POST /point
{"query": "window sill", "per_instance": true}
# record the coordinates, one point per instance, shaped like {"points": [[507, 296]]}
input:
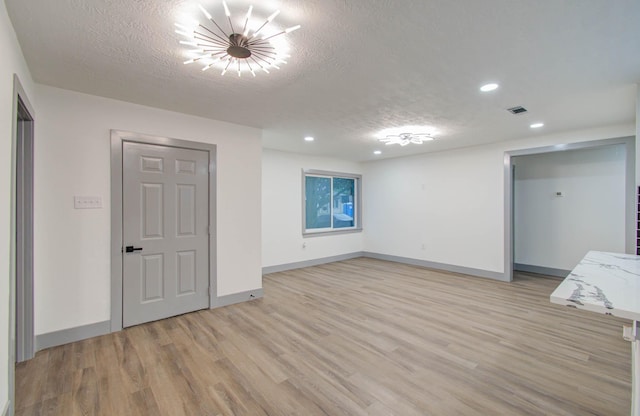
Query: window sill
{"points": [[332, 232]]}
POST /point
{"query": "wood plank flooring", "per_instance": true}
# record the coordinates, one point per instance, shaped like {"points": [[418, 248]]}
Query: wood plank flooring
{"points": [[358, 337]]}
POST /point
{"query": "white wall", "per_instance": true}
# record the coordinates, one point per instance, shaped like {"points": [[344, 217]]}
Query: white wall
{"points": [[557, 232], [282, 210], [452, 202], [72, 258], [12, 63]]}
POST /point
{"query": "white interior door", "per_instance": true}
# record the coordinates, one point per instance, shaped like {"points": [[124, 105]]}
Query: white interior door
{"points": [[165, 231]]}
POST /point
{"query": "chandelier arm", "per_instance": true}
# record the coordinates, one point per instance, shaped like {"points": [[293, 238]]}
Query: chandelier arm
{"points": [[246, 22], [261, 45], [227, 67], [208, 38], [273, 36], [271, 51], [267, 54], [201, 57], [245, 26], [267, 58], [207, 45], [258, 63], [264, 52], [220, 58], [231, 24], [217, 39], [212, 54], [259, 29], [258, 42], [224, 38], [210, 44], [262, 59], [219, 28]]}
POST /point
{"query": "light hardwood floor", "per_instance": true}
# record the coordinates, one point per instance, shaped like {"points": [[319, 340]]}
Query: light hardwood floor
{"points": [[359, 337]]}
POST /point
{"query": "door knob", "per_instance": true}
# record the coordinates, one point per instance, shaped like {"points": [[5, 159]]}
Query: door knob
{"points": [[131, 249]]}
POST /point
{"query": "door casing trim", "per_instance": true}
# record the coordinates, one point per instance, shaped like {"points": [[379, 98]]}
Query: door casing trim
{"points": [[118, 137], [19, 96]]}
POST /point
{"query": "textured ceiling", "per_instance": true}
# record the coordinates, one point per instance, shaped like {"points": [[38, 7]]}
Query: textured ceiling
{"points": [[358, 66]]}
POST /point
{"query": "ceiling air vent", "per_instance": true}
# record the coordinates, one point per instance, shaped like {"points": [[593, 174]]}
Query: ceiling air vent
{"points": [[517, 110]]}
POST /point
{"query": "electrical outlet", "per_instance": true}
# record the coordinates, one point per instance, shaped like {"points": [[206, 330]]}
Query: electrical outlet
{"points": [[87, 202]]}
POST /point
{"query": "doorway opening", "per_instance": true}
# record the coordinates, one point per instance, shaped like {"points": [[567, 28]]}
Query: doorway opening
{"points": [[628, 143]]}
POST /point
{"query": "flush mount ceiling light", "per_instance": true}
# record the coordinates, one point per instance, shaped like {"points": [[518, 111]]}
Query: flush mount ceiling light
{"points": [[240, 48], [404, 139], [536, 125]]}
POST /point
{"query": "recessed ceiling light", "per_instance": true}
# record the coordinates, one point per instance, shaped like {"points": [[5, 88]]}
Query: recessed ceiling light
{"points": [[536, 125], [488, 87], [309, 139], [377, 152]]}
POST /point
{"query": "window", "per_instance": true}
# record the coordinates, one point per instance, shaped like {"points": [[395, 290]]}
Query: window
{"points": [[331, 202]]}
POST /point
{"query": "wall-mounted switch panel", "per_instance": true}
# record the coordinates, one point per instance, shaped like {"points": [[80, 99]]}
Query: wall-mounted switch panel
{"points": [[87, 202]]}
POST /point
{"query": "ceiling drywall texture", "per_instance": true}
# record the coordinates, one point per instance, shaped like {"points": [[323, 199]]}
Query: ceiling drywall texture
{"points": [[358, 66]]}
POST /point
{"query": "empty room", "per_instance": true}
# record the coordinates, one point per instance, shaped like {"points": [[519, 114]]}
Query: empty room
{"points": [[320, 207]]}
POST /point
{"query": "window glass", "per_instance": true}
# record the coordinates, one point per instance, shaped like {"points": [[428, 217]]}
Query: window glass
{"points": [[343, 202], [318, 202]]}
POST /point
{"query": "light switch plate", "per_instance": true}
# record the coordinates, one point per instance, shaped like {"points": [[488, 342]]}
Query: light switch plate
{"points": [[87, 202]]}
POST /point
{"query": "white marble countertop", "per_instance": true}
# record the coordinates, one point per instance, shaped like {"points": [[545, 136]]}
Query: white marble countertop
{"points": [[602, 282]]}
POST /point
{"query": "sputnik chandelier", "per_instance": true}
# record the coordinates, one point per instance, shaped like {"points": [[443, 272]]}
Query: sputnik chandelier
{"points": [[238, 49], [404, 139]]}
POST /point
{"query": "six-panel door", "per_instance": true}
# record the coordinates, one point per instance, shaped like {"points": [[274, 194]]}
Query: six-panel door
{"points": [[165, 223]]}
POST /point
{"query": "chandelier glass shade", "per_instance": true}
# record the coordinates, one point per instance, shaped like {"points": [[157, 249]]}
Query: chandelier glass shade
{"points": [[244, 47], [404, 139]]}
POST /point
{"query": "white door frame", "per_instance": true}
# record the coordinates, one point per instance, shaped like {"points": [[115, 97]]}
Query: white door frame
{"points": [[117, 139], [630, 192]]}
